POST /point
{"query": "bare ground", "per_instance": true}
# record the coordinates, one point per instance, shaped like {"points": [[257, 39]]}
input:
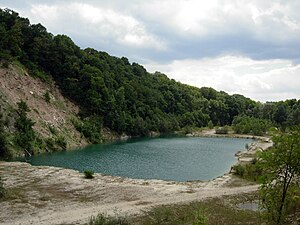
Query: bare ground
{"points": [[16, 85], [50, 195]]}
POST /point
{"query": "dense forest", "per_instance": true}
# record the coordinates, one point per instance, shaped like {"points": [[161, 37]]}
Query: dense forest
{"points": [[122, 96]]}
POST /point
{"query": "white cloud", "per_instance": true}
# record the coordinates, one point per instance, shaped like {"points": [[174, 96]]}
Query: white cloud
{"points": [[278, 20], [190, 35], [266, 80], [96, 22]]}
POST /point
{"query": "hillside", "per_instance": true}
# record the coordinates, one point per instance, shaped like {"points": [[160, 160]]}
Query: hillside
{"points": [[110, 93], [52, 118]]}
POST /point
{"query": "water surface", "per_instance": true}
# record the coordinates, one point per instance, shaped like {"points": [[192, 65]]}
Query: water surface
{"points": [[168, 158]]}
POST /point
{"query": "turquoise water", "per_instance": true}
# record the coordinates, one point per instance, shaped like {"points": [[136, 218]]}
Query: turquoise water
{"points": [[168, 158]]}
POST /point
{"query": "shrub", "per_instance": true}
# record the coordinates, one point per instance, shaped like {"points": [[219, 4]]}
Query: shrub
{"points": [[239, 170], [61, 142], [250, 125], [25, 135], [47, 97], [194, 214], [210, 125], [57, 143], [2, 189], [90, 128], [250, 171], [200, 217], [222, 130], [5, 64], [102, 219], [88, 174]]}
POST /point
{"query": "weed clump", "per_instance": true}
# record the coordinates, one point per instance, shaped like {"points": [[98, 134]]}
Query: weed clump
{"points": [[88, 174], [102, 219]]}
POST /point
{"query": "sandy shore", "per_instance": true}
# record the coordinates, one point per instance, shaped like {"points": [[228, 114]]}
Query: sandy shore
{"points": [[50, 195]]}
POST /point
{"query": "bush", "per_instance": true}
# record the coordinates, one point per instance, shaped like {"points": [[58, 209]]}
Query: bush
{"points": [[90, 128], [61, 142], [239, 170], [5, 64], [210, 125], [250, 171], [88, 174], [222, 130], [25, 135], [2, 189], [47, 97], [102, 219], [250, 125]]}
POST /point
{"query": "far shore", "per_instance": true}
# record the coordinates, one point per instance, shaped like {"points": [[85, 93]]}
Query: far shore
{"points": [[51, 195]]}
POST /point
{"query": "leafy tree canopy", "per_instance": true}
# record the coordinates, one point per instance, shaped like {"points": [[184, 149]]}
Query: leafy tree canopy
{"points": [[123, 95]]}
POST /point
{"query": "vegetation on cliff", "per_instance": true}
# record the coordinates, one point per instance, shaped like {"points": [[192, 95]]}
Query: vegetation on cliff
{"points": [[122, 96]]}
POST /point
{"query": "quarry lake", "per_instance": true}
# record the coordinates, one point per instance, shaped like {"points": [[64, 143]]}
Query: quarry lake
{"points": [[165, 158]]}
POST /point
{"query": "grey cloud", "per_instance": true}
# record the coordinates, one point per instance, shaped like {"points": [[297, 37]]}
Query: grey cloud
{"points": [[257, 30], [235, 37]]}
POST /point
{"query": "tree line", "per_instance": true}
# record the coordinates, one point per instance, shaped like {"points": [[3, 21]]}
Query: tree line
{"points": [[123, 96]]}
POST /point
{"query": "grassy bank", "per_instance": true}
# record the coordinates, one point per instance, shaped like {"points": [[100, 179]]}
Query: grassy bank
{"points": [[223, 210]]}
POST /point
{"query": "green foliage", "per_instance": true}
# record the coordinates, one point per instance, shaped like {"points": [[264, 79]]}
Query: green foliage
{"points": [[88, 174], [239, 170], [61, 142], [55, 143], [222, 130], [210, 125], [188, 214], [125, 96], [250, 125], [2, 189], [5, 63], [25, 135], [102, 219], [281, 169], [90, 127], [200, 218], [47, 96], [211, 211], [250, 171], [4, 149]]}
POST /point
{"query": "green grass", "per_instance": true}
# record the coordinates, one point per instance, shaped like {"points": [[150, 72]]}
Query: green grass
{"points": [[103, 219], [249, 171], [212, 211]]}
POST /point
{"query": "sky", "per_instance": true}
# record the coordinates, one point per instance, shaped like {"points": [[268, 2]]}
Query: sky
{"points": [[248, 47]]}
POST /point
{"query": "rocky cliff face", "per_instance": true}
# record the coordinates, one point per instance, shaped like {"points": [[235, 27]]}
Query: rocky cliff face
{"points": [[49, 110]]}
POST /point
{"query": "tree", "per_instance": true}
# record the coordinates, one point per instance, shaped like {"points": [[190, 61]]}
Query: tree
{"points": [[281, 169], [4, 152], [280, 114], [25, 135]]}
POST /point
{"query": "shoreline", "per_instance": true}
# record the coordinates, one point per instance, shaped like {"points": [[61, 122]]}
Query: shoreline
{"points": [[52, 195]]}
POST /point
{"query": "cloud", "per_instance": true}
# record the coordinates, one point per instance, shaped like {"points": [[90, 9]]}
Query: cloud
{"points": [[223, 17], [259, 29], [262, 80], [167, 30], [96, 23], [250, 47]]}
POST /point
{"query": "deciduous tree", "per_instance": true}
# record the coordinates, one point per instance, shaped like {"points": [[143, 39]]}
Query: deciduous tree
{"points": [[281, 166]]}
